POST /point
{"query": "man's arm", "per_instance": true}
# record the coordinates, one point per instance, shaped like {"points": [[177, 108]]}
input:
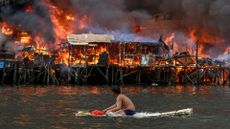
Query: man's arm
{"points": [[109, 108], [118, 105]]}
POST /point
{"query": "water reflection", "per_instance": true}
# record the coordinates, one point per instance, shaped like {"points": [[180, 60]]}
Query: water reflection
{"points": [[132, 90], [63, 90], [23, 120], [95, 90]]}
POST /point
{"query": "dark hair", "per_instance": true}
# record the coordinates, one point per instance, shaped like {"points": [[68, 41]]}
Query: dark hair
{"points": [[116, 89]]}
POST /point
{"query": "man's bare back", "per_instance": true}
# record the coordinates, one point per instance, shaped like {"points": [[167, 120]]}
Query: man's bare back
{"points": [[126, 103], [123, 106]]}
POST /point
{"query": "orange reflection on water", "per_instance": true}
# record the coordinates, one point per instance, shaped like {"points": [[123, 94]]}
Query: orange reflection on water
{"points": [[192, 90], [135, 90], [26, 90], [179, 89], [23, 120], [37, 91], [57, 127], [41, 91], [64, 90], [95, 90]]}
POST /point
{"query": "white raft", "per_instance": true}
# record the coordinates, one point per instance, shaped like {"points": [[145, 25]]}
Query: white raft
{"points": [[178, 113]]}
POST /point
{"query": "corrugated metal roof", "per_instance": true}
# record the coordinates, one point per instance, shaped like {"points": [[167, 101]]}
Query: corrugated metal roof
{"points": [[85, 39]]}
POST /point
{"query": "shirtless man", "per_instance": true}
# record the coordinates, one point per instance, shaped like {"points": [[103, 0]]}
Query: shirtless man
{"points": [[123, 106]]}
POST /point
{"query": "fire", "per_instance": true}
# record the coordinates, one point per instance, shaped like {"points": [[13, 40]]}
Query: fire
{"points": [[227, 51], [70, 17], [205, 38], [25, 38], [84, 22], [63, 57], [29, 9], [29, 55], [137, 28], [170, 38], [59, 24], [66, 21], [6, 29]]}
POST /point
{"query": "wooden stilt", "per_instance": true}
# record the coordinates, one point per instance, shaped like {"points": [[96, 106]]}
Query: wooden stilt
{"points": [[15, 73]]}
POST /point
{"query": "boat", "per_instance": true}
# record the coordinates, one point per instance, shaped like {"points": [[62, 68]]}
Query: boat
{"points": [[188, 112]]}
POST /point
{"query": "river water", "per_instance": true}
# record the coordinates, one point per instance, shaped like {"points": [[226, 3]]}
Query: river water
{"points": [[53, 107]]}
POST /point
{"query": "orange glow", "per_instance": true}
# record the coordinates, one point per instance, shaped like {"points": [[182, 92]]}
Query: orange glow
{"points": [[227, 51], [25, 38], [84, 22], [205, 38], [29, 55], [29, 9], [137, 28], [66, 21], [95, 90], [70, 17], [170, 38], [6, 29]]}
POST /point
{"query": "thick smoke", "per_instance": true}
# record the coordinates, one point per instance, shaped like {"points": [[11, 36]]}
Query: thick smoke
{"points": [[35, 23], [209, 16], [7, 45], [225, 57], [106, 14]]}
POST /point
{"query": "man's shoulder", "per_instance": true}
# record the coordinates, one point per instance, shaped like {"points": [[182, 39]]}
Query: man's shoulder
{"points": [[121, 96]]}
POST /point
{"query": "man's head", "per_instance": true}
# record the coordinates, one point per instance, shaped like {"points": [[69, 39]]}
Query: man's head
{"points": [[116, 90]]}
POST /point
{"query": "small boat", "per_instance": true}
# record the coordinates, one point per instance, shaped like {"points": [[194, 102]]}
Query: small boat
{"points": [[188, 112]]}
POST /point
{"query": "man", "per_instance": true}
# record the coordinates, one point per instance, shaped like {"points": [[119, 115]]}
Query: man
{"points": [[123, 106]]}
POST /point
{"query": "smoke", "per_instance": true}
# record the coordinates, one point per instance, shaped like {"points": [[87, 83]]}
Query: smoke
{"points": [[108, 14], [35, 23], [210, 18], [131, 37], [224, 58]]}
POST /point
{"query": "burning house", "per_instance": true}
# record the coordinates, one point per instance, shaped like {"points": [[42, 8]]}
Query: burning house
{"points": [[94, 48]]}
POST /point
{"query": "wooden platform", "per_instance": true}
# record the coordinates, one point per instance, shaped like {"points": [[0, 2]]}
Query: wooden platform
{"points": [[18, 74]]}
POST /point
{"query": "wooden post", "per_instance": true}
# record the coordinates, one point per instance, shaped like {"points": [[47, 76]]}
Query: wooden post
{"points": [[48, 75], [45, 74], [121, 76], [15, 73], [107, 74], [197, 66], [69, 52], [112, 75], [24, 75], [138, 75], [228, 76], [86, 66], [3, 76]]}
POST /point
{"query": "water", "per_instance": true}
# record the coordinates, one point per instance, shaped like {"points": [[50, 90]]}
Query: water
{"points": [[53, 107]]}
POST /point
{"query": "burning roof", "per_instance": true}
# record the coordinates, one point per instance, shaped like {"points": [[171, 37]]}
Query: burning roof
{"points": [[82, 39]]}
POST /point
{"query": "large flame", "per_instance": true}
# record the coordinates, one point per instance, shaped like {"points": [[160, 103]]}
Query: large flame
{"points": [[67, 21], [63, 22], [6, 29]]}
